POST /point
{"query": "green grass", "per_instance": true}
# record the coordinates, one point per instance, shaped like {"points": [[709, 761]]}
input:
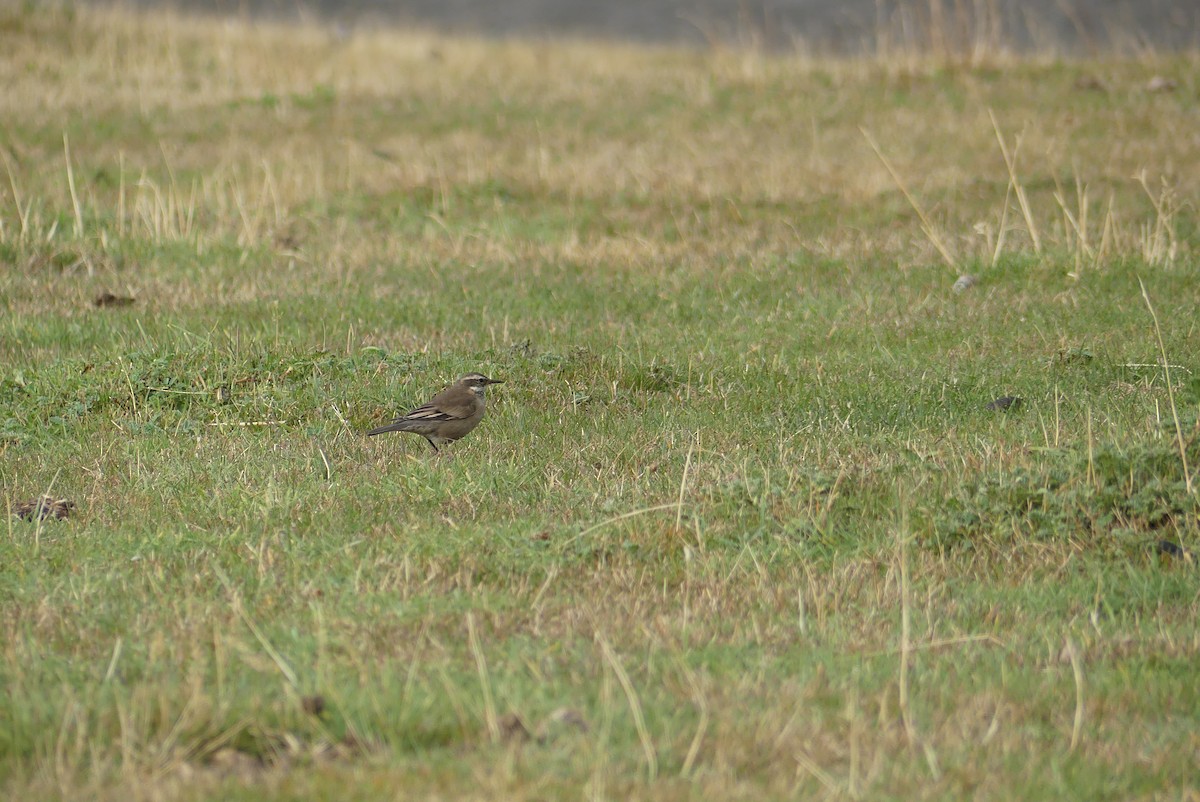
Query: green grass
{"points": [[739, 505]]}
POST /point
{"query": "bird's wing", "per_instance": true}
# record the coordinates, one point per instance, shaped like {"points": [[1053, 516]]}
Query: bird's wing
{"points": [[444, 408], [426, 412]]}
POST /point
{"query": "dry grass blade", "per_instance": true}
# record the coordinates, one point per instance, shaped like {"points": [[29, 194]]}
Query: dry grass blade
{"points": [[687, 465], [1010, 162], [617, 518], [926, 224], [1077, 675], [41, 518], [942, 644], [325, 463], [1166, 366], [635, 706], [485, 683], [910, 728], [112, 663], [235, 600], [1076, 223], [22, 211], [75, 205], [1160, 244], [698, 697], [823, 777]]}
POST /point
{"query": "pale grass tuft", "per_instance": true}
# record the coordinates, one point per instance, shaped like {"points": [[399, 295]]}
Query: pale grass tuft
{"points": [[1166, 366], [1015, 187], [927, 226]]}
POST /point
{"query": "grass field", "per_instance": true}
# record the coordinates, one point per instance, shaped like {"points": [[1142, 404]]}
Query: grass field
{"points": [[738, 526]]}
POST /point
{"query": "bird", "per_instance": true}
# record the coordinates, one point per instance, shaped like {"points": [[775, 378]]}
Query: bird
{"points": [[447, 416]]}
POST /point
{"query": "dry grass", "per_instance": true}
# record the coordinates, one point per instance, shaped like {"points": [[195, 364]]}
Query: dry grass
{"points": [[739, 508]]}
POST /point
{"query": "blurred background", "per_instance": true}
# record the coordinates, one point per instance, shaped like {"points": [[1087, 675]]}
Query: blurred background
{"points": [[818, 26]]}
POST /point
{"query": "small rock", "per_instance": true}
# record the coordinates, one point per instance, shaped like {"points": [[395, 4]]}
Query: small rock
{"points": [[230, 762], [1160, 84], [44, 507], [1005, 403], [965, 282], [512, 728]]}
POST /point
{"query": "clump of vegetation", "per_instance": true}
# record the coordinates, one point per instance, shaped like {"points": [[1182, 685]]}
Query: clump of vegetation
{"points": [[1110, 499]]}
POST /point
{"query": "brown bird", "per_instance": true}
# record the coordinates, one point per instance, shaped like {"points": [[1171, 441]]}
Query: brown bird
{"points": [[44, 507], [449, 415]]}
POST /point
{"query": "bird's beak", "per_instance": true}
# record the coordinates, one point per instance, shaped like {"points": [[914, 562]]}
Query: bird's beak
{"points": [[495, 381]]}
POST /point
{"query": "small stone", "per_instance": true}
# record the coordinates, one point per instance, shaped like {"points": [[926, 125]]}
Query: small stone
{"points": [[230, 762], [965, 282], [512, 728], [1005, 403], [1160, 84]]}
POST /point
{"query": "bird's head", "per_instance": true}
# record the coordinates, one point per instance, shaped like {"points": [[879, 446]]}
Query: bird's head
{"points": [[476, 382]]}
